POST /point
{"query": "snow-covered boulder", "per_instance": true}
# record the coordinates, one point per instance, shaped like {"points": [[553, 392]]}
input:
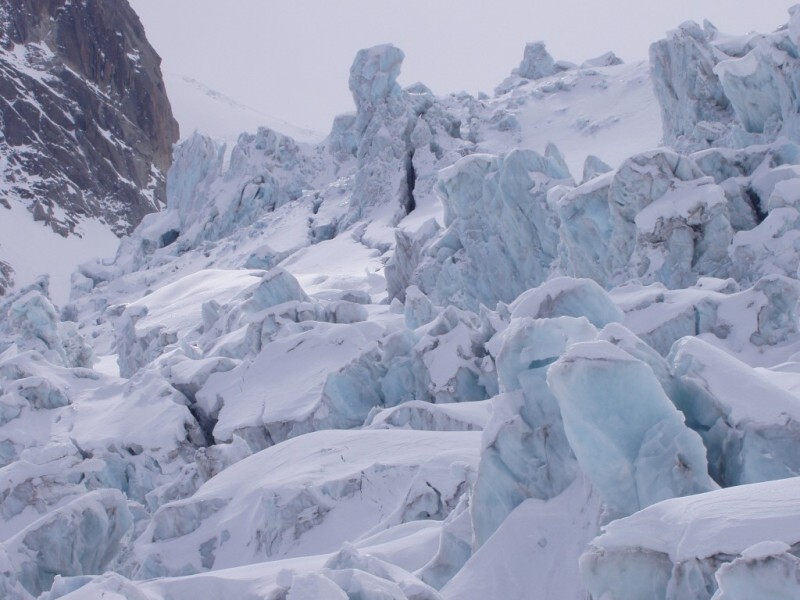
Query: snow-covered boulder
{"points": [[760, 316], [212, 460], [208, 199], [276, 287], [407, 255], [608, 59], [568, 297], [35, 320], [771, 248], [170, 315], [755, 179], [536, 62], [196, 164], [308, 379], [442, 361], [40, 481], [683, 234], [765, 570], [762, 86]]}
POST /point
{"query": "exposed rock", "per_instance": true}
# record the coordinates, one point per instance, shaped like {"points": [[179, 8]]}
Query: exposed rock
{"points": [[87, 129], [6, 277]]}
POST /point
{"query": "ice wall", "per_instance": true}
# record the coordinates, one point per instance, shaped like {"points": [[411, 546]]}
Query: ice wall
{"points": [[718, 90], [500, 234], [627, 436]]}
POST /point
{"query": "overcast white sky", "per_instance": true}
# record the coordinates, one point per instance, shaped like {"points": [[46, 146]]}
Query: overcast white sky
{"points": [[291, 58]]}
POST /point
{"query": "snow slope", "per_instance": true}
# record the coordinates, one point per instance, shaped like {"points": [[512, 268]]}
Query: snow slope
{"points": [[199, 108], [34, 249]]}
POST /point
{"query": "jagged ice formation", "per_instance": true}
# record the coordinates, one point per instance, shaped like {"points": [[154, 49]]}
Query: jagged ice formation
{"points": [[427, 358]]}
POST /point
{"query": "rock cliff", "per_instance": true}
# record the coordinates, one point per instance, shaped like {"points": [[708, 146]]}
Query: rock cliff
{"points": [[86, 129]]}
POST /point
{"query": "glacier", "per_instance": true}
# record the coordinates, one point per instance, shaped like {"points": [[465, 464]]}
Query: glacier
{"points": [[541, 342]]}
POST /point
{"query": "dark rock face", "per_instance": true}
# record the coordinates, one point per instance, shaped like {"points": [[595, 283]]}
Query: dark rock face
{"points": [[85, 125], [6, 277]]}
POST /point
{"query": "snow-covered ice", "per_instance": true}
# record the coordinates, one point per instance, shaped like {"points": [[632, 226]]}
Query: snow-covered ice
{"points": [[462, 347], [673, 549]]}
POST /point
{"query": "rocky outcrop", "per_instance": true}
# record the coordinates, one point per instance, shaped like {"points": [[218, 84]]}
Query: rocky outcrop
{"points": [[86, 129], [6, 277]]}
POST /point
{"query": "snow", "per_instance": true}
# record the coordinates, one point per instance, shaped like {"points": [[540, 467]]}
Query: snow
{"points": [[734, 384], [526, 452], [298, 368], [686, 547], [176, 306], [562, 296], [608, 112], [534, 548], [416, 414], [34, 249], [338, 264], [91, 527], [765, 549], [774, 576], [748, 422], [727, 521], [199, 108], [419, 359], [328, 481]]}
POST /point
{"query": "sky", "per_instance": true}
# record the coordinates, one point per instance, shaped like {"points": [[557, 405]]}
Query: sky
{"points": [[290, 59]]}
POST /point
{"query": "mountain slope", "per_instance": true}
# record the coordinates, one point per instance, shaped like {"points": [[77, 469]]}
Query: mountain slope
{"points": [[197, 107]]}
